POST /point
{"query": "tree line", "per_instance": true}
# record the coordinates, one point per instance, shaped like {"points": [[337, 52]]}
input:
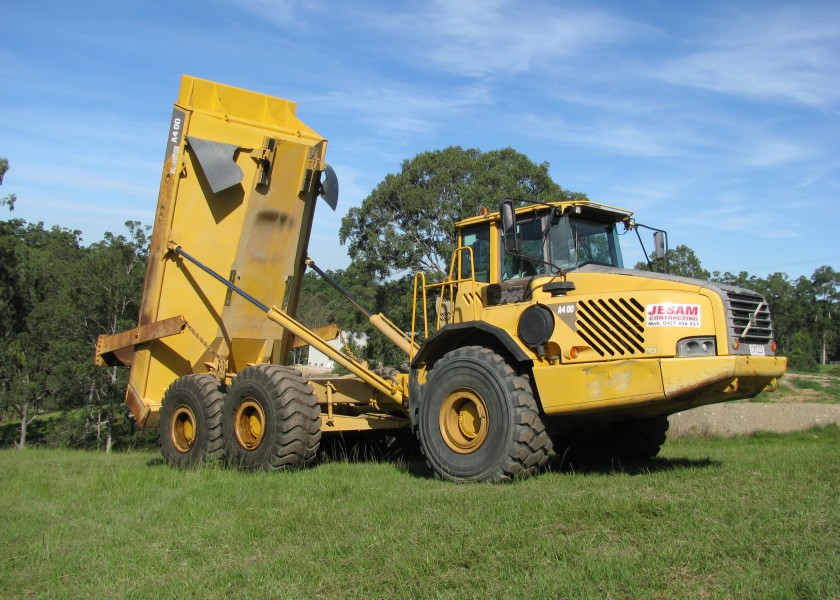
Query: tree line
{"points": [[57, 294]]}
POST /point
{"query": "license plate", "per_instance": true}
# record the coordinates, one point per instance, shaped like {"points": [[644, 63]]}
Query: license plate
{"points": [[756, 350]]}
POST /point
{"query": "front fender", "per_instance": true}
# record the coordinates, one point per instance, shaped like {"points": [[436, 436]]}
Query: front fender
{"points": [[471, 333]]}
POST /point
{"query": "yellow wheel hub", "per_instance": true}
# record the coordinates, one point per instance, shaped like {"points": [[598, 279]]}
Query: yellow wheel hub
{"points": [[183, 428], [463, 420], [249, 424]]}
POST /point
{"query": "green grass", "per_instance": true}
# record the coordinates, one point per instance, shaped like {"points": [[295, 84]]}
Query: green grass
{"points": [[833, 370], [806, 384], [752, 517]]}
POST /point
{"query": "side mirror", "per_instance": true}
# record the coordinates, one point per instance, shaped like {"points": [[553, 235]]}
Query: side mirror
{"points": [[509, 226], [659, 244]]}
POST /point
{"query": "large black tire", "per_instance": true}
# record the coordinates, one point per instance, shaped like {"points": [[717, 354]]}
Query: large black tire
{"points": [[271, 420], [639, 439], [477, 419], [191, 422], [631, 440]]}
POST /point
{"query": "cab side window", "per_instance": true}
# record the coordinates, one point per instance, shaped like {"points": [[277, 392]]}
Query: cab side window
{"points": [[476, 237], [530, 261]]}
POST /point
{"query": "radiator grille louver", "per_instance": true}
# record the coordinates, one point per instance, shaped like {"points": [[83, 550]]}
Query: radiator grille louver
{"points": [[613, 326], [749, 313]]}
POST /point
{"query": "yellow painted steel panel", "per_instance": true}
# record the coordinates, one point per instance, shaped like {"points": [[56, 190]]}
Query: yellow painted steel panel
{"points": [[654, 386], [719, 378], [255, 231], [597, 386]]}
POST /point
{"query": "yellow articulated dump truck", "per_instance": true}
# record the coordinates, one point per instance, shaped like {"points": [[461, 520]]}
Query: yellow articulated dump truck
{"points": [[537, 340]]}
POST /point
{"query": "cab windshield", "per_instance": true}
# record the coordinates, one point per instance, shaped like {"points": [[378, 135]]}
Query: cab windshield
{"points": [[564, 245], [582, 243]]}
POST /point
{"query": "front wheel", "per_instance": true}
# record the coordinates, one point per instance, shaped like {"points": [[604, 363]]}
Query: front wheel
{"points": [[478, 420]]}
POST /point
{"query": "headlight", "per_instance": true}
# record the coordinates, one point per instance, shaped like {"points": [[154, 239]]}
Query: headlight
{"points": [[699, 346]]}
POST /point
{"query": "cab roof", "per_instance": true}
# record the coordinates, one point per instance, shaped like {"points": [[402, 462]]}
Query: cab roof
{"points": [[587, 209]]}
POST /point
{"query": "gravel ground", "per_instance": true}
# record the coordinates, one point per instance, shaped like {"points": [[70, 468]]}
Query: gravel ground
{"points": [[744, 418]]}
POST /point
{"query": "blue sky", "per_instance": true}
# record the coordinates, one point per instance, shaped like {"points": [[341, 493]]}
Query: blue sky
{"points": [[717, 121]]}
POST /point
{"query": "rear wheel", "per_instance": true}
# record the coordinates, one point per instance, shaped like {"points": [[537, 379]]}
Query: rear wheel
{"points": [[632, 440], [271, 420], [478, 420], [639, 439], [191, 422]]}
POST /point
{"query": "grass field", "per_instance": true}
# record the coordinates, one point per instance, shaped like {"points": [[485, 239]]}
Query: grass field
{"points": [[754, 517], [805, 387]]}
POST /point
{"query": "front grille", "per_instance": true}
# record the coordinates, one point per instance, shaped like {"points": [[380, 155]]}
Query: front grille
{"points": [[748, 318], [613, 326]]}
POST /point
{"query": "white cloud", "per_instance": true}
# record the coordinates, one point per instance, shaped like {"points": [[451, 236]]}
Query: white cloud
{"points": [[502, 38], [392, 112], [280, 12], [790, 54], [746, 221], [632, 138], [770, 151], [645, 196]]}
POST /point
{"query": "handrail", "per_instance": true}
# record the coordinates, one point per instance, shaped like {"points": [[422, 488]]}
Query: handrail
{"points": [[449, 282], [418, 275]]}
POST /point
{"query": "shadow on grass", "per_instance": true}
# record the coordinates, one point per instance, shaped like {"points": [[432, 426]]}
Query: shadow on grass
{"points": [[403, 453], [364, 447], [559, 464]]}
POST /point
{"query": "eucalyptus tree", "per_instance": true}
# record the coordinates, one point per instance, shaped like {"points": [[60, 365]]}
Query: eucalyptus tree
{"points": [[407, 223]]}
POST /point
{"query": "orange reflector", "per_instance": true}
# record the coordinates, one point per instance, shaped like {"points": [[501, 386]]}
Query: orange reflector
{"points": [[484, 211], [573, 352], [773, 346], [735, 344]]}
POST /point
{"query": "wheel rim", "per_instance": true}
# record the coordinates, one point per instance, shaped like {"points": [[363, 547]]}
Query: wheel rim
{"points": [[183, 428], [463, 420], [249, 424]]}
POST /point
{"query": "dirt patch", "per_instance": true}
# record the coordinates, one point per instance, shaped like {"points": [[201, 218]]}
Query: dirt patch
{"points": [[745, 418], [799, 387]]}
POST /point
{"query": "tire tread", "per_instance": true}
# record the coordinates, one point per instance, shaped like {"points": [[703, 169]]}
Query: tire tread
{"points": [[529, 445]]}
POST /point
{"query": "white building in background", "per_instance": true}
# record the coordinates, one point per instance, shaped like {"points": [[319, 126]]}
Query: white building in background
{"points": [[318, 359]]}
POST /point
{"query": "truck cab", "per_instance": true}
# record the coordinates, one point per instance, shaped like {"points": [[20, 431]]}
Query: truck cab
{"points": [[600, 341]]}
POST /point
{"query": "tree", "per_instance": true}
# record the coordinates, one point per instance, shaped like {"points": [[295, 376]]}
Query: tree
{"points": [[111, 284], [801, 352], [408, 221], [36, 354], [56, 297], [14, 305], [11, 198], [320, 305], [681, 261], [826, 287]]}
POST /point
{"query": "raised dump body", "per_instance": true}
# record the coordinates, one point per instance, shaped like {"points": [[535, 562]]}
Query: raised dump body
{"points": [[240, 180]]}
